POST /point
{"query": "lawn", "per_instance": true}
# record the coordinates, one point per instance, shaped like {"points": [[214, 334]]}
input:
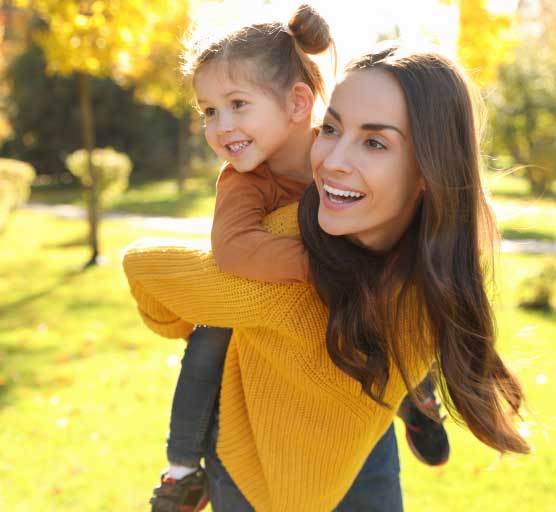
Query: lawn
{"points": [[159, 198], [85, 388], [520, 215]]}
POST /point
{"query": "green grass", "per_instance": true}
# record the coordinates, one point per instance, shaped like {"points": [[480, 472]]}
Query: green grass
{"points": [[476, 478], [160, 198], [85, 388], [521, 215]]}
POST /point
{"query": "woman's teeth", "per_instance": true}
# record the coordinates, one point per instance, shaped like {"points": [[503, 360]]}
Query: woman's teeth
{"points": [[235, 147], [337, 195]]}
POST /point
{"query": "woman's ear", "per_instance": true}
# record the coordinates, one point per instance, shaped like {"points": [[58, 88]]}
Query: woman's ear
{"points": [[301, 102]]}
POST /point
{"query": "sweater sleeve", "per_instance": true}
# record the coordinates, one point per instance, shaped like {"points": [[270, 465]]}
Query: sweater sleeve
{"points": [[176, 287], [240, 243]]}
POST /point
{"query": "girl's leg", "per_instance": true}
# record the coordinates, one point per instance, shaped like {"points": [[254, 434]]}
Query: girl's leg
{"points": [[196, 393], [223, 492], [377, 486]]}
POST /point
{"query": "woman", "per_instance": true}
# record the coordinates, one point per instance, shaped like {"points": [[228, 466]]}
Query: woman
{"points": [[313, 376]]}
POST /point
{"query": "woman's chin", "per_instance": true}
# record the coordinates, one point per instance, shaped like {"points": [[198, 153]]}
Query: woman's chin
{"points": [[331, 228]]}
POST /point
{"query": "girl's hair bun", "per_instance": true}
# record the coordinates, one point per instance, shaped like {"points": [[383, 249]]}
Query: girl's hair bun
{"points": [[310, 30]]}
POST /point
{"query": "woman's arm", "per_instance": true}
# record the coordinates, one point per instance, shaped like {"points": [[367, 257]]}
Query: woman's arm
{"points": [[176, 286], [240, 243]]}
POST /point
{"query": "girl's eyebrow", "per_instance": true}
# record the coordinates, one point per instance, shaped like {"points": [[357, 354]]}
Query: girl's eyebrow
{"points": [[235, 91], [228, 94], [377, 127]]}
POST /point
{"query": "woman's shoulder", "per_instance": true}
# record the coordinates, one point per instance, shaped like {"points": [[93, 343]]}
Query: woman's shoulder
{"points": [[283, 221]]}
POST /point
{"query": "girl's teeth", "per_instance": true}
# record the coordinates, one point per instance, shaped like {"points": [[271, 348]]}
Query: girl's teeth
{"points": [[343, 193], [237, 146]]}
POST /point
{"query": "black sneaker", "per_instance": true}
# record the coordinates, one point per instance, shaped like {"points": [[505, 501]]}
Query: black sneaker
{"points": [[188, 494], [426, 437]]}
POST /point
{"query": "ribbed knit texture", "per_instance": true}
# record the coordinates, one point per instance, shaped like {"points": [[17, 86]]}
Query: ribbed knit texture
{"points": [[294, 429]]}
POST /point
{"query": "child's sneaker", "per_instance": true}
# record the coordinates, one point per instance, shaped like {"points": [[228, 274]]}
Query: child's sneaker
{"points": [[188, 494], [427, 438]]}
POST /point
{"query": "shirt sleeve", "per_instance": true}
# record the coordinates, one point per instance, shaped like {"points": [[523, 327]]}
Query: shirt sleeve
{"points": [[241, 245], [176, 287]]}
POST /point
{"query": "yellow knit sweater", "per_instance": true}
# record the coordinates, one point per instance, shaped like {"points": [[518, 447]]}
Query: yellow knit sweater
{"points": [[294, 429]]}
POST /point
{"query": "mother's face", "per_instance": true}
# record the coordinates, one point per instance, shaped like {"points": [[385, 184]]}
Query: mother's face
{"points": [[363, 161]]}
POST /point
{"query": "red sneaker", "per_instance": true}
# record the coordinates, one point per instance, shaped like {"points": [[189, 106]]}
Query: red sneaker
{"points": [[188, 494]]}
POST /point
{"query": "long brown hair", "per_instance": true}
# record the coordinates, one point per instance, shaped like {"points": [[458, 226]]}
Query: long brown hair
{"points": [[432, 283], [279, 52]]}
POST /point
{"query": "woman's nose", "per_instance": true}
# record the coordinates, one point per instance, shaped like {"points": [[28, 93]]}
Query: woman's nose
{"points": [[338, 159]]}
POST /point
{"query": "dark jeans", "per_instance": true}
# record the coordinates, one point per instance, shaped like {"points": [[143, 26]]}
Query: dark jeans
{"points": [[196, 394], [375, 489]]}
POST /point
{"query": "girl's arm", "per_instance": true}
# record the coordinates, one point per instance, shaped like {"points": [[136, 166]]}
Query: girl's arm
{"points": [[240, 243], [176, 287]]}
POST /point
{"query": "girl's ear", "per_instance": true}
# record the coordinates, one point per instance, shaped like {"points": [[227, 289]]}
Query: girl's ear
{"points": [[301, 102]]}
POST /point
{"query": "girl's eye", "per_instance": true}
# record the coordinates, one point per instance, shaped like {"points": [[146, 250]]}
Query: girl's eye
{"points": [[238, 104], [327, 129], [375, 144]]}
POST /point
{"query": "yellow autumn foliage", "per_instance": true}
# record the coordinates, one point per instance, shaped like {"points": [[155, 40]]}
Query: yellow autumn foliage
{"points": [[485, 40], [134, 42]]}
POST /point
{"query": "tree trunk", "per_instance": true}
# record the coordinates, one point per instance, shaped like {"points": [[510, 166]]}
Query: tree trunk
{"points": [[88, 133], [183, 150]]}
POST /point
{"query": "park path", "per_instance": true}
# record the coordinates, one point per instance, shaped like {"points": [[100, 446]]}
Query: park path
{"points": [[202, 225]]}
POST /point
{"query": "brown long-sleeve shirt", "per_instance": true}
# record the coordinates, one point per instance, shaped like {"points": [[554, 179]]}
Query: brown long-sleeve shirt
{"points": [[240, 244]]}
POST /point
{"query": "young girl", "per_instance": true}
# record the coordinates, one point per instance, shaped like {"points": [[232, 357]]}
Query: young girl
{"points": [[256, 90]]}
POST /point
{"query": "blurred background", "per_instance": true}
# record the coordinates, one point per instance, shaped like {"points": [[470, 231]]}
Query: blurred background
{"points": [[100, 144]]}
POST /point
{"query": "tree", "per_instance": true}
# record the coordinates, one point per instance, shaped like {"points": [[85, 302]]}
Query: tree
{"points": [[158, 80], [523, 103], [44, 117], [485, 40], [100, 38]]}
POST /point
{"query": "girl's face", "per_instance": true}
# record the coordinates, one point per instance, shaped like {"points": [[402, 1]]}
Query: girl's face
{"points": [[243, 124], [363, 161]]}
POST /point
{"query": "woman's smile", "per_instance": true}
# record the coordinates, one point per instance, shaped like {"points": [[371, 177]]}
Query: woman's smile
{"points": [[337, 196]]}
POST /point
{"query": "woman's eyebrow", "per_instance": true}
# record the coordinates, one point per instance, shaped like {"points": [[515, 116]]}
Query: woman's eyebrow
{"points": [[334, 114], [377, 127]]}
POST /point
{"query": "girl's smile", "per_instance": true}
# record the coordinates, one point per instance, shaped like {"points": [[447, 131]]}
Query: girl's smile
{"points": [[237, 148]]}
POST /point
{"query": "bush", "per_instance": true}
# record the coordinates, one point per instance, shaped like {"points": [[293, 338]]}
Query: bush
{"points": [[539, 291], [15, 186], [111, 167]]}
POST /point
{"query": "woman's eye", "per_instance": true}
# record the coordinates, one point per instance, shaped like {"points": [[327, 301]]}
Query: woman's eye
{"points": [[375, 144], [209, 112], [238, 104], [327, 129]]}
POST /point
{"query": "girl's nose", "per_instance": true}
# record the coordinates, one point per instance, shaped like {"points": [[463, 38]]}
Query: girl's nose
{"points": [[225, 123]]}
